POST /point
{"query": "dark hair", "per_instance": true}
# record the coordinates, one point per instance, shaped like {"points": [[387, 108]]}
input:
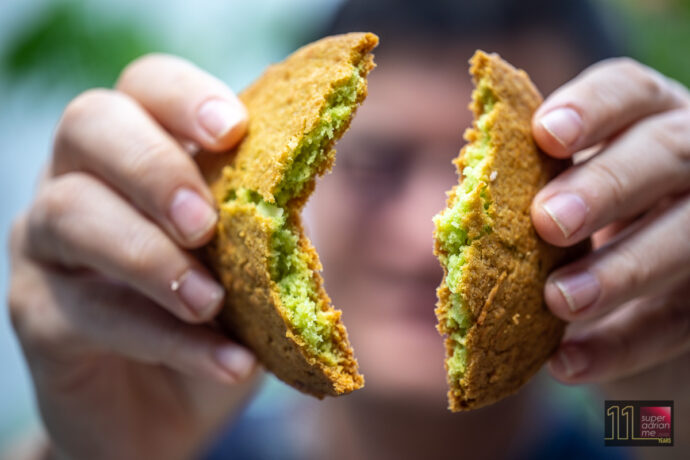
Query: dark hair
{"points": [[577, 21]]}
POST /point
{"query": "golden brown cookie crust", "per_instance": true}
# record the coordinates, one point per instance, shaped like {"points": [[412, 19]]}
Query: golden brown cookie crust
{"points": [[513, 332], [284, 104]]}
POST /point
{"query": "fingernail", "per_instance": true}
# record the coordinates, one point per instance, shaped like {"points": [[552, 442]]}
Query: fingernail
{"points": [[564, 124], [567, 210], [199, 292], [218, 117], [578, 289], [570, 361], [236, 360], [191, 214]]}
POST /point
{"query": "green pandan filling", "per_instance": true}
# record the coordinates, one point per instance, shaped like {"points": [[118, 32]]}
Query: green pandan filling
{"points": [[289, 269], [306, 162], [288, 264], [453, 235]]}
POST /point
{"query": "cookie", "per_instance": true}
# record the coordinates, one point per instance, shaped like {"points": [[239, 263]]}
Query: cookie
{"points": [[275, 303], [490, 306]]}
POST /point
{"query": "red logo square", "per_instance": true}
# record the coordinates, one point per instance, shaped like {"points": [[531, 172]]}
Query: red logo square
{"points": [[655, 422]]}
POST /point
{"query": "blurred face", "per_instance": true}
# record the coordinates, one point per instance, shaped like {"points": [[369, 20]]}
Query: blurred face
{"points": [[372, 215], [373, 225]]}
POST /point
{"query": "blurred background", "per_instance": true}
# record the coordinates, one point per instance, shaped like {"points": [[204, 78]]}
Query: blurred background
{"points": [[52, 50]]}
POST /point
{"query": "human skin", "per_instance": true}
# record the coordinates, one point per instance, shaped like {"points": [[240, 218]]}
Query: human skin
{"points": [[110, 308], [632, 197], [109, 343]]}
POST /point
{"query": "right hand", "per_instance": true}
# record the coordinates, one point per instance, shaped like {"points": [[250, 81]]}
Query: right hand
{"points": [[111, 310]]}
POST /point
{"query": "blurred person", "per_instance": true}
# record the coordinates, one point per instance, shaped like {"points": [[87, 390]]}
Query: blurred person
{"points": [[123, 367]]}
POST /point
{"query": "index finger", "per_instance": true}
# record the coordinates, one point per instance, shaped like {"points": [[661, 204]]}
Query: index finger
{"points": [[186, 100], [600, 102]]}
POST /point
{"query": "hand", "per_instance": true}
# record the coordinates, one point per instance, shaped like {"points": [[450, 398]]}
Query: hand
{"points": [[628, 301], [111, 310]]}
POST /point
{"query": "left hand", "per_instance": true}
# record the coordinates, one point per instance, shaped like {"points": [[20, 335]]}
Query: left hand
{"points": [[112, 309], [628, 301]]}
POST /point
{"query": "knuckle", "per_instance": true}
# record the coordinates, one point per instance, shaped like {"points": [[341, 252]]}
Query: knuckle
{"points": [[672, 132], [31, 316], [140, 252], [53, 207], [648, 80], [57, 199], [162, 169], [630, 269], [146, 163], [85, 103], [627, 65], [43, 337], [16, 234], [610, 179], [78, 111], [46, 214]]}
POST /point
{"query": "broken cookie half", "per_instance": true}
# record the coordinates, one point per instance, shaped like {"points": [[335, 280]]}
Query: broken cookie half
{"points": [[490, 306], [275, 303]]}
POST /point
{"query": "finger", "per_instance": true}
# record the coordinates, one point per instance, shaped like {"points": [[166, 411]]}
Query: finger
{"points": [[601, 101], [79, 222], [648, 260], [650, 161], [627, 341], [60, 316], [109, 135], [186, 100]]}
